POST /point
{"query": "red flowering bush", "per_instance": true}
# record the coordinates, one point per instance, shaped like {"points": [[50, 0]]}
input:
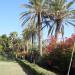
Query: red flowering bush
{"points": [[59, 54], [66, 44], [51, 43], [69, 42]]}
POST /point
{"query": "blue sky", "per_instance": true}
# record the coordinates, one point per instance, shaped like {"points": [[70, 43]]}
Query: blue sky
{"points": [[9, 17]]}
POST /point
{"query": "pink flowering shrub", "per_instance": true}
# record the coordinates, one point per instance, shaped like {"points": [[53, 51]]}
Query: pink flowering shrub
{"points": [[52, 44], [59, 54]]}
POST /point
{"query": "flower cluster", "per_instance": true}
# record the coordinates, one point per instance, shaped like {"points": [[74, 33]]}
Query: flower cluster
{"points": [[67, 43]]}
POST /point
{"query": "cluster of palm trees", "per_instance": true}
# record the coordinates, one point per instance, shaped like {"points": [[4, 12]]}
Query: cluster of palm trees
{"points": [[54, 14], [29, 33], [10, 44]]}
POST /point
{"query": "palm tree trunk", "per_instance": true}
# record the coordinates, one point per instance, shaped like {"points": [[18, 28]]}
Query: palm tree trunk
{"points": [[24, 46], [39, 33], [17, 54], [32, 41], [58, 21], [17, 48], [27, 46]]}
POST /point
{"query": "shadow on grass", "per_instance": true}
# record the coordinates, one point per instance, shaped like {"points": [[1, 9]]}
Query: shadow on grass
{"points": [[26, 69]]}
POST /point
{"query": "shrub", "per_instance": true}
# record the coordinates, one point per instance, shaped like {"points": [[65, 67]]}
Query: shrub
{"points": [[35, 68], [59, 54]]}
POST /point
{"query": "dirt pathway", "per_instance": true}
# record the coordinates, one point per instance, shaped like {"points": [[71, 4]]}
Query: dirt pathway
{"points": [[10, 68]]}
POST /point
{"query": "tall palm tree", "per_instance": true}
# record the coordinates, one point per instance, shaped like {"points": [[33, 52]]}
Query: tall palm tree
{"points": [[26, 38], [35, 9], [18, 45], [59, 15], [33, 32]]}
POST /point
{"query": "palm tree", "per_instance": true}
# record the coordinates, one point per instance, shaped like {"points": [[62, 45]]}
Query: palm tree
{"points": [[18, 45], [13, 37], [59, 15], [26, 38], [35, 10], [33, 32]]}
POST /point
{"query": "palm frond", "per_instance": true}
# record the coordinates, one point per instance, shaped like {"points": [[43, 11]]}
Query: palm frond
{"points": [[43, 27], [43, 2], [27, 6], [73, 12], [24, 14], [66, 24], [32, 18], [70, 23], [50, 28], [24, 22], [68, 5]]}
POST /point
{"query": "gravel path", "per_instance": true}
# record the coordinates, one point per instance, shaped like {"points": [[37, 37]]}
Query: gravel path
{"points": [[10, 68]]}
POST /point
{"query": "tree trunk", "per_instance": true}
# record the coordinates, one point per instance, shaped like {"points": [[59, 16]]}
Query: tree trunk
{"points": [[27, 46], [24, 47], [32, 41], [39, 33], [58, 21], [17, 51]]}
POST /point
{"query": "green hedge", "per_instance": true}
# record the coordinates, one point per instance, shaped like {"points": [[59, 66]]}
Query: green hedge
{"points": [[35, 68], [2, 58]]}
